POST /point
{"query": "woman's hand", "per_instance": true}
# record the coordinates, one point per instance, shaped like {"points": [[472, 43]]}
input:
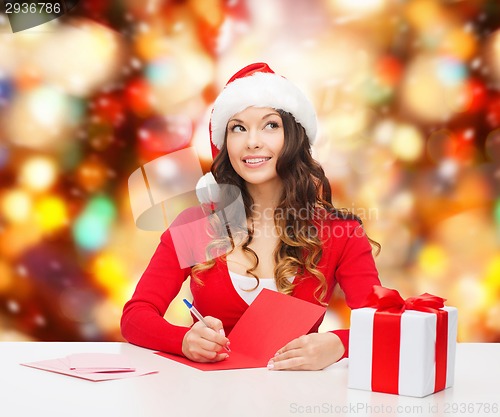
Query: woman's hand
{"points": [[204, 344], [309, 352]]}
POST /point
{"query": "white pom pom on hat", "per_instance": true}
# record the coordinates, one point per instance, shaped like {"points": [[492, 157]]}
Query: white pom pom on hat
{"points": [[207, 189], [259, 86]]}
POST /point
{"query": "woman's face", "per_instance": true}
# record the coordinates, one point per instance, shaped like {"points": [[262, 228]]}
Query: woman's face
{"points": [[255, 138]]}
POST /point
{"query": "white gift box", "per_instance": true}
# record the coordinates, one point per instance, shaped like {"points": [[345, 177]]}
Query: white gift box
{"points": [[417, 353]]}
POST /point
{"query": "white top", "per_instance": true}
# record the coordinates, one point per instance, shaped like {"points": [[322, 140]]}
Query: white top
{"points": [[242, 283]]}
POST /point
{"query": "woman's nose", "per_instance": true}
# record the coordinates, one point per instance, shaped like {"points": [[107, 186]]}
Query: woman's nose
{"points": [[253, 139]]}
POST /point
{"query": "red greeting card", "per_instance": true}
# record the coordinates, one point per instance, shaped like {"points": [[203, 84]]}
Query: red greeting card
{"points": [[269, 323]]}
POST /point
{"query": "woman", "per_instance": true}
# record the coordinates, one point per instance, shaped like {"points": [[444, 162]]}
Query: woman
{"points": [[261, 131]]}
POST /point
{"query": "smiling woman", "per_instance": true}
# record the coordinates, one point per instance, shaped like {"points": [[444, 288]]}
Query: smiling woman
{"points": [[298, 243]]}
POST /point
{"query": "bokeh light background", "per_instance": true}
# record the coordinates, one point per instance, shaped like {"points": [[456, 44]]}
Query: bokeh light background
{"points": [[408, 100]]}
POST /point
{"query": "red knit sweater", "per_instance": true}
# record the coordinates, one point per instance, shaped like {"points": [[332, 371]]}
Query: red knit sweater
{"points": [[347, 260]]}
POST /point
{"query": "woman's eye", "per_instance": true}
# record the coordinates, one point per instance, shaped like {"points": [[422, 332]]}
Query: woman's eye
{"points": [[237, 128], [273, 125]]}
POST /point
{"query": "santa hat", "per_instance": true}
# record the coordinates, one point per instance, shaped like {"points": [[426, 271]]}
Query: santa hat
{"points": [[259, 86]]}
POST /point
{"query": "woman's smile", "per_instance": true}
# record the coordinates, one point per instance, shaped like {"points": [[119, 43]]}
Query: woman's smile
{"points": [[255, 161]]}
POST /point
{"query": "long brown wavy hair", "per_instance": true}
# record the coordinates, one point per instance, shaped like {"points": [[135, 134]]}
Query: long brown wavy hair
{"points": [[305, 186]]}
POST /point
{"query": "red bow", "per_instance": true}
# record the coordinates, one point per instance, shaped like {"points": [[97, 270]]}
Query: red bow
{"points": [[386, 299]]}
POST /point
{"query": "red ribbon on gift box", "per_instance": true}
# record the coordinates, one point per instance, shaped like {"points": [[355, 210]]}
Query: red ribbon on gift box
{"points": [[387, 335]]}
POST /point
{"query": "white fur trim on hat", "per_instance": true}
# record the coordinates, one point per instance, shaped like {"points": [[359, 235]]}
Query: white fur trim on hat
{"points": [[261, 89]]}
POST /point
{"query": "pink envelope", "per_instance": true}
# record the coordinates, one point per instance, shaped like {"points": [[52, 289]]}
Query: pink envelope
{"points": [[99, 362], [91, 366], [269, 323]]}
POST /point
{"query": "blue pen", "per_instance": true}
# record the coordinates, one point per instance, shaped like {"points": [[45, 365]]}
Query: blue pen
{"points": [[197, 314]]}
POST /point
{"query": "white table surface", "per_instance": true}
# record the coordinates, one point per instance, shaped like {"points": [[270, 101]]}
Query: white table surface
{"points": [[179, 390]]}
